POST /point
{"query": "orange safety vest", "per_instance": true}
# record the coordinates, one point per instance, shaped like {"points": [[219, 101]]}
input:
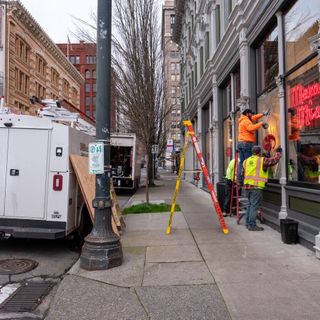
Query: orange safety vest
{"points": [[254, 175]]}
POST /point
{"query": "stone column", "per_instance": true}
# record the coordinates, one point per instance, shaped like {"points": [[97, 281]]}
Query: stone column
{"points": [[283, 136], [199, 138], [214, 128], [244, 69]]}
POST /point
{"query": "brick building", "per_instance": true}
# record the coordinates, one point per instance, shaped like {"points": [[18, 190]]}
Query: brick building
{"points": [[31, 64], [83, 56]]}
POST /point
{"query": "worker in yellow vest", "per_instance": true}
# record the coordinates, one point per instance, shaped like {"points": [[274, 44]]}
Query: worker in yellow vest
{"points": [[255, 178], [230, 176]]}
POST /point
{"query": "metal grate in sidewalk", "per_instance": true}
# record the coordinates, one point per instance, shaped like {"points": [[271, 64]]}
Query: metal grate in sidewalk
{"points": [[27, 297]]}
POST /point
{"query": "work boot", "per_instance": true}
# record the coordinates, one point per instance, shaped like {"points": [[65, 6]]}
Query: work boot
{"points": [[255, 228]]}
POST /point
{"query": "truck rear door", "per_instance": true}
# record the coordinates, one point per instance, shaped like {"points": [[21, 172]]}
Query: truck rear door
{"points": [[26, 173]]}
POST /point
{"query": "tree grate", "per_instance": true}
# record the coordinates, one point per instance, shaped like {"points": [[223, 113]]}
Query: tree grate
{"points": [[27, 297]]}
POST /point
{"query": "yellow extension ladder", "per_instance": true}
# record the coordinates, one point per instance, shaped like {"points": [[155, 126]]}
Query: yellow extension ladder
{"points": [[190, 133]]}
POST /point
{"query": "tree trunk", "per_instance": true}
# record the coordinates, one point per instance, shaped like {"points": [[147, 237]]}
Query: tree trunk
{"points": [[147, 181]]}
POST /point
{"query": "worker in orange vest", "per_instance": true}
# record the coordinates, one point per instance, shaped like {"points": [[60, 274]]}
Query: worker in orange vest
{"points": [[246, 136]]}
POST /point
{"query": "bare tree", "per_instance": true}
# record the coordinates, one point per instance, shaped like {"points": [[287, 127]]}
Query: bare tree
{"points": [[137, 64], [140, 81]]}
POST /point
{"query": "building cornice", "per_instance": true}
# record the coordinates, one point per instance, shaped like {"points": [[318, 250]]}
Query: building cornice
{"points": [[21, 14]]}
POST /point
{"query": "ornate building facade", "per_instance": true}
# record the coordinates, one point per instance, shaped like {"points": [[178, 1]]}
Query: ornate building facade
{"points": [[239, 54], [31, 64], [172, 78]]}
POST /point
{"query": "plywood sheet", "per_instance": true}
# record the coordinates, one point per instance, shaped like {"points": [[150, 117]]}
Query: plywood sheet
{"points": [[87, 183]]}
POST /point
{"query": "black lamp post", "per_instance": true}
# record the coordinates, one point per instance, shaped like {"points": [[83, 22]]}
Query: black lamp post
{"points": [[102, 248]]}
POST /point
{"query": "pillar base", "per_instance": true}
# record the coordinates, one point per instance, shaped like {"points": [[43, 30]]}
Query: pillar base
{"points": [[283, 213], [100, 253]]}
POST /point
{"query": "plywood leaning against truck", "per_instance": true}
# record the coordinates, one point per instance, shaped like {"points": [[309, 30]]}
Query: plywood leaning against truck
{"points": [[87, 186]]}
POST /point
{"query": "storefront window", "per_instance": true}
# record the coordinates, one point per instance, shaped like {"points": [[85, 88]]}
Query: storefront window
{"points": [[303, 105], [269, 138], [227, 126], [267, 71], [267, 61], [301, 23]]}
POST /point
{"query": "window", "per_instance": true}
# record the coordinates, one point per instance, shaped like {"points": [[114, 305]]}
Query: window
{"points": [[94, 87], [87, 74], [54, 96], [40, 91], [218, 24], [174, 91], [267, 69], [302, 93], [196, 73], [227, 127], [88, 87], [54, 77], [74, 59], [90, 59], [94, 101], [41, 65], [173, 101], [173, 66], [300, 24], [94, 74], [201, 62], [22, 49], [65, 87], [88, 101], [22, 107], [74, 93], [267, 61], [22, 81], [207, 47], [227, 9]]}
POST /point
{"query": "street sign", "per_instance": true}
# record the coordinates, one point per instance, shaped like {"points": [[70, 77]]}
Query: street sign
{"points": [[170, 145], [155, 149], [96, 158]]}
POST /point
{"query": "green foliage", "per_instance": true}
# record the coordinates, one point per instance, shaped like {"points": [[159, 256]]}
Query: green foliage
{"points": [[150, 208]]}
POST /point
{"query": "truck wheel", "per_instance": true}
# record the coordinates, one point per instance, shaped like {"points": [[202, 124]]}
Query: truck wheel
{"points": [[85, 226]]}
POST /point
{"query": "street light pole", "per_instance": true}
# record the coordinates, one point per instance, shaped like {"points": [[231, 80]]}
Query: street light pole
{"points": [[102, 248]]}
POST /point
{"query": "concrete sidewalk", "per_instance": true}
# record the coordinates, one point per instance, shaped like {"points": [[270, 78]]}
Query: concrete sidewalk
{"points": [[197, 272]]}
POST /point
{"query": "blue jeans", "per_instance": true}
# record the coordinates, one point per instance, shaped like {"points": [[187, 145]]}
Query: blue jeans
{"points": [[245, 151], [254, 202]]}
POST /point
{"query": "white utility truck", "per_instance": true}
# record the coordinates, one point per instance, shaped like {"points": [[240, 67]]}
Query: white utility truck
{"points": [[125, 161], [39, 193]]}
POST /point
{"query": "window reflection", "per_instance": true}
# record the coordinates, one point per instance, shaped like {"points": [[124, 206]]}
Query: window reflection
{"points": [[301, 23], [267, 61]]}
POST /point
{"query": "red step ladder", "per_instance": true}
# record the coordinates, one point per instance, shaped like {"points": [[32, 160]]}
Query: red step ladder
{"points": [[191, 132]]}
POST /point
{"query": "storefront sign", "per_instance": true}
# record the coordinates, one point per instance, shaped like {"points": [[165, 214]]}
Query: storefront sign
{"points": [[302, 98]]}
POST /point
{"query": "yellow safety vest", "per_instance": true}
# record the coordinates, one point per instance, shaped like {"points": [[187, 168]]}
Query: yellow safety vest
{"points": [[254, 175]]}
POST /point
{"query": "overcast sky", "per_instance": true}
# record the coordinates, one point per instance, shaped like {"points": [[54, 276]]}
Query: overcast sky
{"points": [[55, 16]]}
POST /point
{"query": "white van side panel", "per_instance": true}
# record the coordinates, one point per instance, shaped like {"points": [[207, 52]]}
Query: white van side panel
{"points": [[26, 187]]}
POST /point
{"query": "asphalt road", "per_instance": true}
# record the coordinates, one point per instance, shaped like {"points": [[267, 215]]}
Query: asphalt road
{"points": [[53, 257]]}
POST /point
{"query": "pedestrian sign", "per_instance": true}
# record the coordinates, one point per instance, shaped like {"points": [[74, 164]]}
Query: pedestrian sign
{"points": [[96, 158]]}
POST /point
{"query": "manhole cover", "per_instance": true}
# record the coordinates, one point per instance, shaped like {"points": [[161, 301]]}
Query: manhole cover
{"points": [[16, 266]]}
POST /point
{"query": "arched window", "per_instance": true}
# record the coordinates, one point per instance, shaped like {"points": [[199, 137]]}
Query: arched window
{"points": [[87, 74]]}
